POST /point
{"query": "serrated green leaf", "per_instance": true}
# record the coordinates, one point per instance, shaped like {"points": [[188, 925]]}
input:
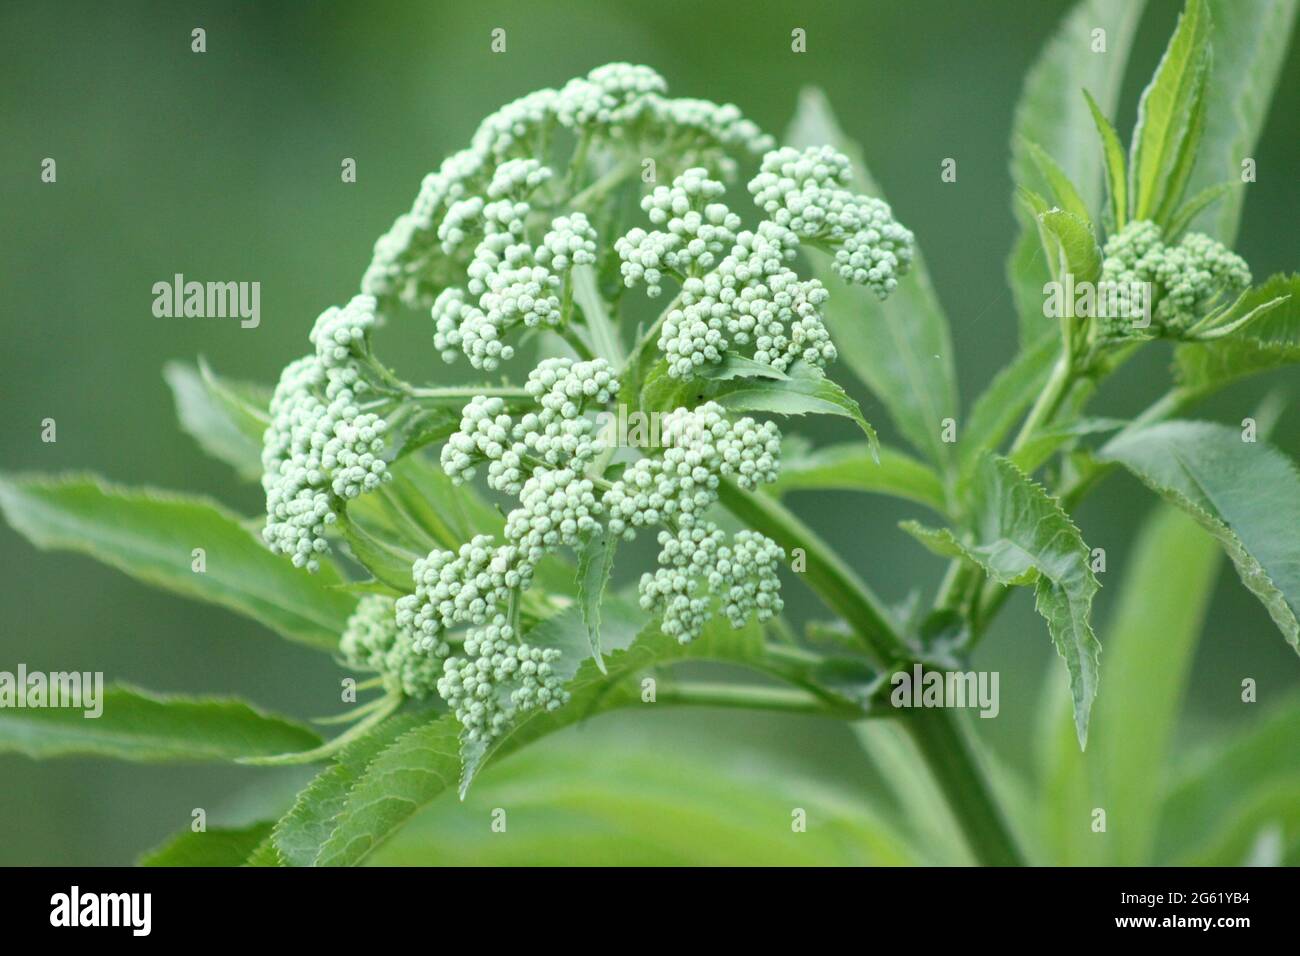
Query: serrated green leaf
{"points": [[1150, 643], [1166, 111], [1113, 155], [1184, 160], [143, 727], [298, 836], [151, 535], [1250, 43], [901, 348], [737, 366], [1269, 342], [1019, 535], [1246, 494], [217, 846], [595, 564], [213, 415], [850, 466], [1051, 113], [805, 390]]}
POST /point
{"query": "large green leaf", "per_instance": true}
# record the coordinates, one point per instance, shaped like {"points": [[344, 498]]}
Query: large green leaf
{"points": [[1150, 645], [590, 800], [1250, 40], [1053, 113], [900, 347], [1224, 794], [1246, 494], [135, 725], [1020, 536], [218, 846], [225, 424], [851, 466], [1168, 112], [381, 791], [151, 535], [1271, 341]]}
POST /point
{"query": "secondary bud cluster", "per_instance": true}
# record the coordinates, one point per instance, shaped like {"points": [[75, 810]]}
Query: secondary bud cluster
{"points": [[1188, 281], [371, 642], [321, 447], [611, 111]]}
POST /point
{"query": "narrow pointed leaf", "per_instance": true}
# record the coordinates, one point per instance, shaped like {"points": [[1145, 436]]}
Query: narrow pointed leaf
{"points": [[851, 466], [149, 728], [1166, 110], [1271, 341], [1113, 154], [151, 536]]}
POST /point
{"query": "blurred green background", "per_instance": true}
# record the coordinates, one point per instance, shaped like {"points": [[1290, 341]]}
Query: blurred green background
{"points": [[225, 166]]}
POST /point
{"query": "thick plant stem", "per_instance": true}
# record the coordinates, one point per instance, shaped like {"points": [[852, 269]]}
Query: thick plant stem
{"points": [[936, 734], [954, 768]]}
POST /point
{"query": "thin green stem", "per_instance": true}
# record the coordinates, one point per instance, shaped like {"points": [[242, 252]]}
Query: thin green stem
{"points": [[464, 393], [752, 697]]}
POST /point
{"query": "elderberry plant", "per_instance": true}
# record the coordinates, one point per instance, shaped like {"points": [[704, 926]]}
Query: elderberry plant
{"points": [[498, 560]]}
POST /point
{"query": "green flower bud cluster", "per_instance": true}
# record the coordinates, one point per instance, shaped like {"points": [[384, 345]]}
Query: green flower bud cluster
{"points": [[321, 447], [541, 458], [751, 299], [371, 642], [697, 231], [697, 559], [807, 192], [701, 447], [497, 679], [557, 435], [468, 587], [617, 110], [1188, 281]]}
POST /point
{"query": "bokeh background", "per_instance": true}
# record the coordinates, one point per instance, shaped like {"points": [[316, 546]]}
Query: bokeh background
{"points": [[225, 166]]}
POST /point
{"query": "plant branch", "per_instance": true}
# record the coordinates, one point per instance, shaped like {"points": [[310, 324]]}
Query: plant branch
{"points": [[754, 697]]}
